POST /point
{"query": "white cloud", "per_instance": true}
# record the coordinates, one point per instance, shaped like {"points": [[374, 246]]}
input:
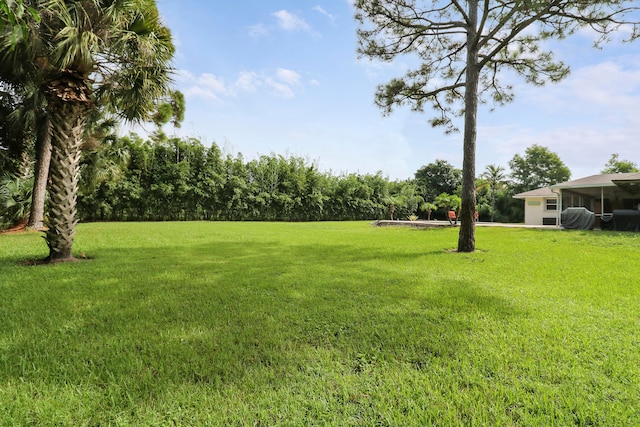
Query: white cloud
{"points": [[584, 119], [212, 83], [198, 92], [206, 85], [258, 30], [248, 81], [287, 21], [283, 83], [376, 69], [584, 149], [608, 85], [279, 89], [608, 91], [325, 13], [291, 22], [288, 77], [623, 33]]}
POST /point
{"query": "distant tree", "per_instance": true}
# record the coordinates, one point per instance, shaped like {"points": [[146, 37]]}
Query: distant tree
{"points": [[462, 49], [615, 165], [539, 167], [494, 177], [438, 177]]}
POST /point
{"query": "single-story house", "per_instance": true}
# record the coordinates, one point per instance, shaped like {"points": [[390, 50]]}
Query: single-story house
{"points": [[540, 206], [600, 194]]}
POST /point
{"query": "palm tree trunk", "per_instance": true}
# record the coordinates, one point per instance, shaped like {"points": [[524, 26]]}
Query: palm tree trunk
{"points": [[493, 205], [41, 174], [67, 121]]}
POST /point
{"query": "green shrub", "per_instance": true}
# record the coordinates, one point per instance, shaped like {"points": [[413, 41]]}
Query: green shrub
{"points": [[15, 200]]}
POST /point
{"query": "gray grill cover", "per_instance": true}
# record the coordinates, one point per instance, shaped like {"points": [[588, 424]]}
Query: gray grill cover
{"points": [[577, 219]]}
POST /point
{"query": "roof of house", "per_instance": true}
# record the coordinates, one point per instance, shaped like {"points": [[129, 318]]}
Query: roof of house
{"points": [[538, 192], [602, 180], [629, 182]]}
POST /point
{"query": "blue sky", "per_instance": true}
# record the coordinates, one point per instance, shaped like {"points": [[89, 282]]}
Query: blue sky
{"points": [[283, 77]]}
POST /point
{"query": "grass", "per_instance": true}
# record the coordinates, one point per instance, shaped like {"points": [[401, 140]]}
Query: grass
{"points": [[263, 324]]}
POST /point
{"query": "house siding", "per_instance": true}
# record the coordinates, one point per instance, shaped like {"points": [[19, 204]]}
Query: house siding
{"points": [[535, 211]]}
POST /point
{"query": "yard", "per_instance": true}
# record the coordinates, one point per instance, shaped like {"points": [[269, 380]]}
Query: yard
{"points": [[345, 324]]}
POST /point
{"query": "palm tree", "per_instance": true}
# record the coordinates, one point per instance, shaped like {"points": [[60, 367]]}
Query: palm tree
{"points": [[394, 201], [89, 53], [494, 176], [30, 122], [428, 207]]}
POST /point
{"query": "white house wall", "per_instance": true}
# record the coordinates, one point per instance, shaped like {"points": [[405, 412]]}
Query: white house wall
{"points": [[535, 210]]}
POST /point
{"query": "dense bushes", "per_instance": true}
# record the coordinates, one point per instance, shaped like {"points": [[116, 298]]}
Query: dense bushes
{"points": [[131, 179], [184, 180]]}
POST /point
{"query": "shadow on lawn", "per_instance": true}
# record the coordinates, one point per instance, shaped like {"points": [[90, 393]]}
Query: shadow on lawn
{"points": [[215, 313]]}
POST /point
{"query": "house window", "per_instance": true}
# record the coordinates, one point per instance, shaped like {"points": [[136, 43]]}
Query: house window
{"points": [[552, 204]]}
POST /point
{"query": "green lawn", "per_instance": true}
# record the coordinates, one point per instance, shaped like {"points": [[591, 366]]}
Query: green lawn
{"points": [[344, 324]]}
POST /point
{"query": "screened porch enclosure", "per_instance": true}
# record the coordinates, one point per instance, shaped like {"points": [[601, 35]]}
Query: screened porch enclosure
{"points": [[601, 194]]}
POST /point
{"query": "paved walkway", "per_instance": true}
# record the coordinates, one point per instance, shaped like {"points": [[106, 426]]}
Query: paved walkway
{"points": [[427, 224]]}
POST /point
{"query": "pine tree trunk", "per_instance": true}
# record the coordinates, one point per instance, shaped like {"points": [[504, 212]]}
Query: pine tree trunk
{"points": [[41, 174], [67, 121], [466, 237]]}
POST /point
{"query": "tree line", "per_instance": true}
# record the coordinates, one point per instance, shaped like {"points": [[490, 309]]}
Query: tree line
{"points": [[158, 179], [131, 179]]}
